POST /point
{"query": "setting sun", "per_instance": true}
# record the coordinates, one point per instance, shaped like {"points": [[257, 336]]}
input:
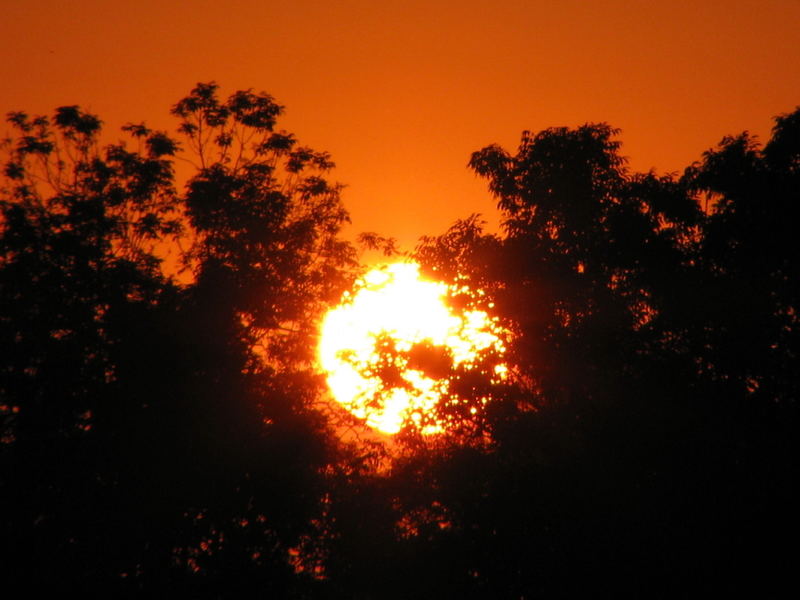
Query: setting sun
{"points": [[391, 348]]}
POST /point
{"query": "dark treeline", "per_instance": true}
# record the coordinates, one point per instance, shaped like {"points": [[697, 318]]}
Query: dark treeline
{"points": [[164, 431]]}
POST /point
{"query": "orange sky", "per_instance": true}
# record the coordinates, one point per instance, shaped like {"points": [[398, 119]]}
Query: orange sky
{"points": [[402, 92]]}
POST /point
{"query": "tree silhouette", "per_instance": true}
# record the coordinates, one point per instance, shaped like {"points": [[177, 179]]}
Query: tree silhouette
{"points": [[162, 434], [648, 436], [156, 433]]}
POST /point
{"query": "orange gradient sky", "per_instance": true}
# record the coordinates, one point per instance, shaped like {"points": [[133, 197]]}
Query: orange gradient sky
{"points": [[401, 93]]}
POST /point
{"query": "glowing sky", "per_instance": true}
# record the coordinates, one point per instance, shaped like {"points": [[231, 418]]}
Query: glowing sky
{"points": [[401, 93]]}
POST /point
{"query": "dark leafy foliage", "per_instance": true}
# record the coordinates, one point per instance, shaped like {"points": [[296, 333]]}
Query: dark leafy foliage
{"points": [[646, 443], [162, 435], [155, 432]]}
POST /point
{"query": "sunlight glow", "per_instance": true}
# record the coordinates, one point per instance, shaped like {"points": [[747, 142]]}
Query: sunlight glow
{"points": [[391, 348]]}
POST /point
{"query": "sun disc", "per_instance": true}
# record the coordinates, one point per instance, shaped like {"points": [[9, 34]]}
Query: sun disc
{"points": [[391, 346]]}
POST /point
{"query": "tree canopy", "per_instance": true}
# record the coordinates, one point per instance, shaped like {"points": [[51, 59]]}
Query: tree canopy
{"points": [[164, 429], [150, 424]]}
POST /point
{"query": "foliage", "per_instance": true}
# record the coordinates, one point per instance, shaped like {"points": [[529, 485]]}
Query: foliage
{"points": [[265, 217], [654, 363], [156, 431], [164, 437]]}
